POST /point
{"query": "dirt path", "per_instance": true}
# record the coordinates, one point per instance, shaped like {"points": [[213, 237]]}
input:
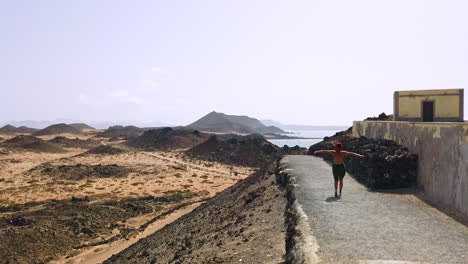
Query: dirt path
{"points": [[373, 227], [98, 254]]}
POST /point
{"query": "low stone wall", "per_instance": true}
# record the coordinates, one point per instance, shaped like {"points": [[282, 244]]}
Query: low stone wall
{"points": [[301, 246], [442, 150]]}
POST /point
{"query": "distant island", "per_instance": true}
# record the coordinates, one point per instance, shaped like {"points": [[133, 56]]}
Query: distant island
{"points": [[295, 127], [223, 123]]}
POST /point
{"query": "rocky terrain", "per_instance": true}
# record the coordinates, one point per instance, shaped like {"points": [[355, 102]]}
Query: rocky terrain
{"points": [[252, 150], [31, 143], [168, 138], [381, 117], [222, 123], [387, 165], [30, 235], [104, 150], [66, 142], [99, 195], [57, 129], [243, 224], [81, 171]]}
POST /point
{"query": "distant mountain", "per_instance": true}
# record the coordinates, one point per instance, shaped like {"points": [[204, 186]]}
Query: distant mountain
{"points": [[9, 129], [222, 123], [57, 129], [94, 124], [81, 126], [301, 127]]}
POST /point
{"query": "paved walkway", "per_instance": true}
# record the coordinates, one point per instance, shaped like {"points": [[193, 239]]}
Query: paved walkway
{"points": [[373, 227]]}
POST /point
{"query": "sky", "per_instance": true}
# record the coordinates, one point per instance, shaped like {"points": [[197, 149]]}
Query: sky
{"points": [[297, 62]]}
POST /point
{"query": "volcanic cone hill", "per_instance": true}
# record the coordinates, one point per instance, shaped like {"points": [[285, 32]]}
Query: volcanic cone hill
{"points": [[168, 138], [222, 123], [81, 127], [31, 143], [57, 129], [252, 150], [8, 129], [65, 142], [25, 130], [387, 165], [121, 131]]}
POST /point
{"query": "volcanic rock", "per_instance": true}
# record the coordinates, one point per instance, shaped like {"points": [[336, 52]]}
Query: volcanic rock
{"points": [[82, 171], [105, 150], [381, 117], [121, 131], [74, 143]]}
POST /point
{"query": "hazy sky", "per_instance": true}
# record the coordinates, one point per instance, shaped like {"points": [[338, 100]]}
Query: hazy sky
{"points": [[306, 62]]}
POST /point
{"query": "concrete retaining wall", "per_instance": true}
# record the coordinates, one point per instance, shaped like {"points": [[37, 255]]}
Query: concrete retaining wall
{"points": [[442, 150]]}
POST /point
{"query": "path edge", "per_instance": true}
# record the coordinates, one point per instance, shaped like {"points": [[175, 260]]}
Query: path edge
{"points": [[301, 245]]}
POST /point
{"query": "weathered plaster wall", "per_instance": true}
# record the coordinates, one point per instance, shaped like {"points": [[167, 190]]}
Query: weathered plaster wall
{"points": [[448, 104], [442, 150]]}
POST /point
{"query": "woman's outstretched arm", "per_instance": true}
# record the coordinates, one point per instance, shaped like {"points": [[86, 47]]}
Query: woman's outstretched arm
{"points": [[347, 153]]}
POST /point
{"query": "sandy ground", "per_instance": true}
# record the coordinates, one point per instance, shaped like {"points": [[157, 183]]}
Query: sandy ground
{"points": [[152, 173]]}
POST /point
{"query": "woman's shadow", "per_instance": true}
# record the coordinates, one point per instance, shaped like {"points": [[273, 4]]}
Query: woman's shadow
{"points": [[332, 199]]}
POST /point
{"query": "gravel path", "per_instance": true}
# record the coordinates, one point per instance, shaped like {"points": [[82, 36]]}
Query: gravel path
{"points": [[373, 227]]}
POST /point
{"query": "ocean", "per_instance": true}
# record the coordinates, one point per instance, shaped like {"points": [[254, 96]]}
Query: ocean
{"points": [[317, 136]]}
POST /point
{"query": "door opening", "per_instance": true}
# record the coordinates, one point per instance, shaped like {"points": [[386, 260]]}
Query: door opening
{"points": [[428, 111]]}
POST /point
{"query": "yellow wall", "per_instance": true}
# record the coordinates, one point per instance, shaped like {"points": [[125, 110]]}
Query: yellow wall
{"points": [[447, 103]]}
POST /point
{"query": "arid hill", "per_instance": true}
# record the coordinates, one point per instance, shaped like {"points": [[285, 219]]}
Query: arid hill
{"points": [[9, 129], [222, 123], [26, 130], [31, 143], [57, 129], [121, 131], [252, 150], [168, 138], [81, 126]]}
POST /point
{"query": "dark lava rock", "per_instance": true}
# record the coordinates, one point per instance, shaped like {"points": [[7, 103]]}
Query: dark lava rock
{"points": [[121, 131], [381, 117], [82, 171], [74, 142], [296, 150], [386, 165], [105, 150]]}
